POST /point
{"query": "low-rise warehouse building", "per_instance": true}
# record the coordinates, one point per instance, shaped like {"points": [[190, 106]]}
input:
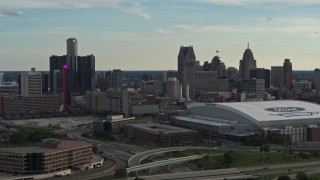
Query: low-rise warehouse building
{"points": [[211, 127], [112, 124], [162, 133]]}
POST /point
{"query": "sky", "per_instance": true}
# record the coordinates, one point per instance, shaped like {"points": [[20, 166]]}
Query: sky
{"points": [[147, 34]]}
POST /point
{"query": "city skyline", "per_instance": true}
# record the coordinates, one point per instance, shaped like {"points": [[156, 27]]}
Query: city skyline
{"points": [[147, 35]]}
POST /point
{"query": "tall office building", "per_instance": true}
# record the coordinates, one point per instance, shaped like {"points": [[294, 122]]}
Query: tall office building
{"points": [[45, 85], [56, 63], [287, 74], [316, 80], [232, 73], [116, 79], [86, 73], [246, 64], [57, 81], [72, 61], [190, 82], [186, 54], [205, 81], [81, 69], [215, 62], [261, 73], [1, 78], [173, 87], [31, 83], [276, 76], [72, 47]]}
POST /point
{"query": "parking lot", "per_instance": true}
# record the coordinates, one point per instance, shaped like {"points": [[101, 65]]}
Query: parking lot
{"points": [[61, 122]]}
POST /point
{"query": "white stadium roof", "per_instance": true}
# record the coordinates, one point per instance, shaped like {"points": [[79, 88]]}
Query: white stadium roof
{"points": [[269, 111]]}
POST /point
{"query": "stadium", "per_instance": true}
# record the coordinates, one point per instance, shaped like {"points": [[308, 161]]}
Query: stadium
{"points": [[262, 114]]}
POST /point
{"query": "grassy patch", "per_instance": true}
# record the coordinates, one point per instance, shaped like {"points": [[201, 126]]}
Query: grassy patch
{"points": [[315, 176], [275, 175], [27, 136], [241, 158]]}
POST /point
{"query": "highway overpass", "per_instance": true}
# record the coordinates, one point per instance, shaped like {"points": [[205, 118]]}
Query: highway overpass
{"points": [[136, 159], [164, 163]]}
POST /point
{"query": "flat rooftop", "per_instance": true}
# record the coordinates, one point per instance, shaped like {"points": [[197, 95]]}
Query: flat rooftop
{"points": [[208, 121], [160, 128], [45, 148]]}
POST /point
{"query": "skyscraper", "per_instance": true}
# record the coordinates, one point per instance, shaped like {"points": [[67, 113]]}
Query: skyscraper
{"points": [[216, 65], [246, 64], [316, 80], [186, 54], [86, 72], [116, 79], [261, 73], [72, 47], [276, 76], [81, 69], [56, 63], [1, 78], [287, 74]]}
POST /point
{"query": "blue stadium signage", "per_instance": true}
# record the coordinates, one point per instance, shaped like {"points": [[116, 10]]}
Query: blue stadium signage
{"points": [[290, 111]]}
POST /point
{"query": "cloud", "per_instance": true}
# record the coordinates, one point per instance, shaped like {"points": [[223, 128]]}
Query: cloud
{"points": [[269, 18], [11, 13], [259, 2], [164, 31], [135, 8], [128, 6], [310, 26], [133, 37], [45, 31], [202, 29]]}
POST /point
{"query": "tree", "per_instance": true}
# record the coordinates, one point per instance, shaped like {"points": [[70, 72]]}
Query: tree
{"points": [[18, 137], [120, 173], [302, 176], [284, 177], [227, 158], [264, 148]]}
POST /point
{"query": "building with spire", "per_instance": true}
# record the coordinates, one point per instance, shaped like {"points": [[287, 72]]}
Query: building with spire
{"points": [[246, 64]]}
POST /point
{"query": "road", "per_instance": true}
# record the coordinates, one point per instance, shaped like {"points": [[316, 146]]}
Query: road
{"points": [[116, 151], [120, 146], [164, 162], [231, 173], [280, 167], [136, 159]]}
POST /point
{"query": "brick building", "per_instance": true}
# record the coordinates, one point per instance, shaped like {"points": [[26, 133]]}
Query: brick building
{"points": [[36, 104], [50, 155]]}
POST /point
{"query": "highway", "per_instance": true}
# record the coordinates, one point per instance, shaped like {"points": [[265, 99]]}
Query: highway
{"points": [[164, 162], [136, 159], [117, 151], [124, 147], [231, 173], [280, 166]]}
